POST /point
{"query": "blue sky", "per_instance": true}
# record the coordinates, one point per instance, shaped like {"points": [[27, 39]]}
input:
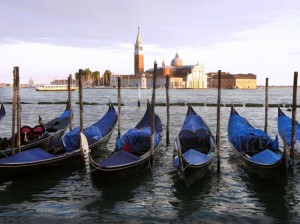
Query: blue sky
{"points": [[50, 39]]}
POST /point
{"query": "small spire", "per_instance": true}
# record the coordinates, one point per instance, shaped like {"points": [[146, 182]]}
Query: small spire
{"points": [[138, 38]]}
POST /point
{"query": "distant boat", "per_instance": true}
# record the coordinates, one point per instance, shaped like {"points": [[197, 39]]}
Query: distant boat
{"points": [[55, 88]]}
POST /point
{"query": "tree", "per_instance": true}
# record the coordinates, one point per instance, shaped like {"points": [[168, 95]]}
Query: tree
{"points": [[106, 78], [96, 78], [89, 78]]}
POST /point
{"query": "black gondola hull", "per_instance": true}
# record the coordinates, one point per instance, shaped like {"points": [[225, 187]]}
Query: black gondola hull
{"points": [[192, 173], [11, 171], [102, 177], [277, 172]]}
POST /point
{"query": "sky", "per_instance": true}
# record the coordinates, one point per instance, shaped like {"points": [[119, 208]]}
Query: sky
{"points": [[50, 39]]}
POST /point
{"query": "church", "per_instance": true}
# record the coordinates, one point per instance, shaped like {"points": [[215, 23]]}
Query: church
{"points": [[181, 76]]}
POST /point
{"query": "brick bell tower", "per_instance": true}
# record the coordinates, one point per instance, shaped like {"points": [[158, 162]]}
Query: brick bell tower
{"points": [[138, 56]]}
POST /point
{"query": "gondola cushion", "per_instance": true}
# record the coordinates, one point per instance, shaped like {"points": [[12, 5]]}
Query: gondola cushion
{"points": [[266, 157]]}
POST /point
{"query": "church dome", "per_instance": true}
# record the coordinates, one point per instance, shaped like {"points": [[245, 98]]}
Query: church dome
{"points": [[176, 61]]}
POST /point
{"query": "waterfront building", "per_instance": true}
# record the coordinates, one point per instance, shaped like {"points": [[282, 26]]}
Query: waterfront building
{"points": [[232, 81], [181, 76]]}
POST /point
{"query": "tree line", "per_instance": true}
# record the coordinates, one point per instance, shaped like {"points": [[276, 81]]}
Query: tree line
{"points": [[92, 78]]}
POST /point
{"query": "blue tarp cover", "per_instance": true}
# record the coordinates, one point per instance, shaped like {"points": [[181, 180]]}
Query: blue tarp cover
{"points": [[193, 157], [284, 124], [32, 155], [60, 122], [136, 139], [119, 158], [193, 122], [71, 141], [65, 114], [240, 131], [266, 157], [107, 121]]}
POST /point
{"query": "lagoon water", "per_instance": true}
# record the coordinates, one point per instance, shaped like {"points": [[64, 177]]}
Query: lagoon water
{"points": [[65, 195]]}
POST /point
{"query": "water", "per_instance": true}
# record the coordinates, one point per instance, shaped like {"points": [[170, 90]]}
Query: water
{"points": [[66, 194]]}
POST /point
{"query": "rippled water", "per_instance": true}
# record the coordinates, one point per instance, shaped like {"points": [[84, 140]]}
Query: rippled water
{"points": [[66, 194]]}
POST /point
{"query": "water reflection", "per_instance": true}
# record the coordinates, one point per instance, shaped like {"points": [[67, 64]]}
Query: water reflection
{"points": [[190, 201], [275, 198], [24, 188], [117, 199]]}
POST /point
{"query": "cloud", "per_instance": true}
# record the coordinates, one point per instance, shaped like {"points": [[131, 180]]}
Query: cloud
{"points": [[100, 23], [57, 37]]}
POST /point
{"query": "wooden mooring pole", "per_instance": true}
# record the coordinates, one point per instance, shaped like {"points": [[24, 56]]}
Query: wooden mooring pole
{"points": [[18, 110], [80, 100], [13, 143], [218, 122], [139, 96], [168, 109], [294, 114], [266, 105], [153, 113], [119, 106], [70, 100]]}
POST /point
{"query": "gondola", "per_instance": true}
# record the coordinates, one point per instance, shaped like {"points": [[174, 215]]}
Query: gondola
{"points": [[38, 136], [284, 125], [194, 148], [61, 152], [256, 150], [132, 154], [2, 111]]}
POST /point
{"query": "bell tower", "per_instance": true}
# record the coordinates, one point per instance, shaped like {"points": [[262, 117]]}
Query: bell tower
{"points": [[138, 56]]}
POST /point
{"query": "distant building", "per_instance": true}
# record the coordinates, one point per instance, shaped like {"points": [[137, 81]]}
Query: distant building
{"points": [[138, 56], [232, 81], [181, 76], [30, 83]]}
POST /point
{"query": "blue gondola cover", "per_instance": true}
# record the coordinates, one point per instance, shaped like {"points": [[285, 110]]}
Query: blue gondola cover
{"points": [[32, 155], [134, 139], [285, 129], [266, 157], [105, 123], [71, 141], [240, 132], [193, 157], [119, 158]]}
